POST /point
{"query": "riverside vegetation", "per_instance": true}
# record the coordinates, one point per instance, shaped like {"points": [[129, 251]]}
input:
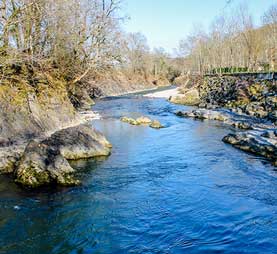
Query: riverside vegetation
{"points": [[55, 58], [50, 74]]}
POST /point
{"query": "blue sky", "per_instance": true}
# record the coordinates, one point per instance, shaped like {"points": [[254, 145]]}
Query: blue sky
{"points": [[165, 22]]}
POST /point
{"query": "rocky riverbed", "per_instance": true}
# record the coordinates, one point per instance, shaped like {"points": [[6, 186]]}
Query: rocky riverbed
{"points": [[243, 94], [252, 134], [247, 103]]}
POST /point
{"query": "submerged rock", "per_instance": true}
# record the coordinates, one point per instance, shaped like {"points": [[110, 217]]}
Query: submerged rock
{"points": [[156, 125], [228, 117], [42, 165]]}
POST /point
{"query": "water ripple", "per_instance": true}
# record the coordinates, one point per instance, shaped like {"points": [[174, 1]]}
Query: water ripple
{"points": [[175, 190]]}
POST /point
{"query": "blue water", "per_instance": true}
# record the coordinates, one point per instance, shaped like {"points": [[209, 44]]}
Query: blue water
{"points": [[174, 190]]}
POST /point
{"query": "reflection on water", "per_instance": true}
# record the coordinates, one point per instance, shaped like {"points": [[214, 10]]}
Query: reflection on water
{"points": [[174, 190]]}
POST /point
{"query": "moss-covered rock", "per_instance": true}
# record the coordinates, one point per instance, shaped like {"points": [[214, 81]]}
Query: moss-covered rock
{"points": [[42, 165], [80, 142], [129, 120], [9, 157], [156, 125], [45, 162], [8, 164], [144, 120], [189, 98]]}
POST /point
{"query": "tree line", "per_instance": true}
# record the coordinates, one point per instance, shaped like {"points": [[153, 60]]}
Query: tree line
{"points": [[82, 38], [78, 37], [232, 44]]}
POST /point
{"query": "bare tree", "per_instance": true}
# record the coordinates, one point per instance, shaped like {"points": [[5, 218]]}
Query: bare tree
{"points": [[270, 21], [232, 44]]}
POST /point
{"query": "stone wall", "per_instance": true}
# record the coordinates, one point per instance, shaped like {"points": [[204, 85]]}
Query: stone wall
{"points": [[249, 95]]}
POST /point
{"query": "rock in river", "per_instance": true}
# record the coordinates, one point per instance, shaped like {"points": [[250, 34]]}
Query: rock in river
{"points": [[80, 142], [259, 143], [259, 137], [129, 120], [156, 125], [45, 162], [41, 165], [144, 120], [225, 116]]}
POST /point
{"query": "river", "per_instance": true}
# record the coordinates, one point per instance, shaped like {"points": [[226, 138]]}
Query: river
{"points": [[175, 190]]}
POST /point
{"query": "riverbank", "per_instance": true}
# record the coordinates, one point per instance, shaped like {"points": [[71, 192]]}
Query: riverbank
{"points": [[242, 102], [253, 96], [35, 106], [117, 83]]}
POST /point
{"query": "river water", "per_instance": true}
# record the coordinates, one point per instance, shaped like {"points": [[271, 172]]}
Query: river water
{"points": [[175, 190]]}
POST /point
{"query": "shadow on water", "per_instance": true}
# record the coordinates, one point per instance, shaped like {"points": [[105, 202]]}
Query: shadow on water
{"points": [[174, 190]]}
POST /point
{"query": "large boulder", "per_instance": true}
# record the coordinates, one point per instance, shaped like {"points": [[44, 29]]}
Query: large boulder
{"points": [[80, 142], [42, 165], [32, 107], [45, 162]]}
